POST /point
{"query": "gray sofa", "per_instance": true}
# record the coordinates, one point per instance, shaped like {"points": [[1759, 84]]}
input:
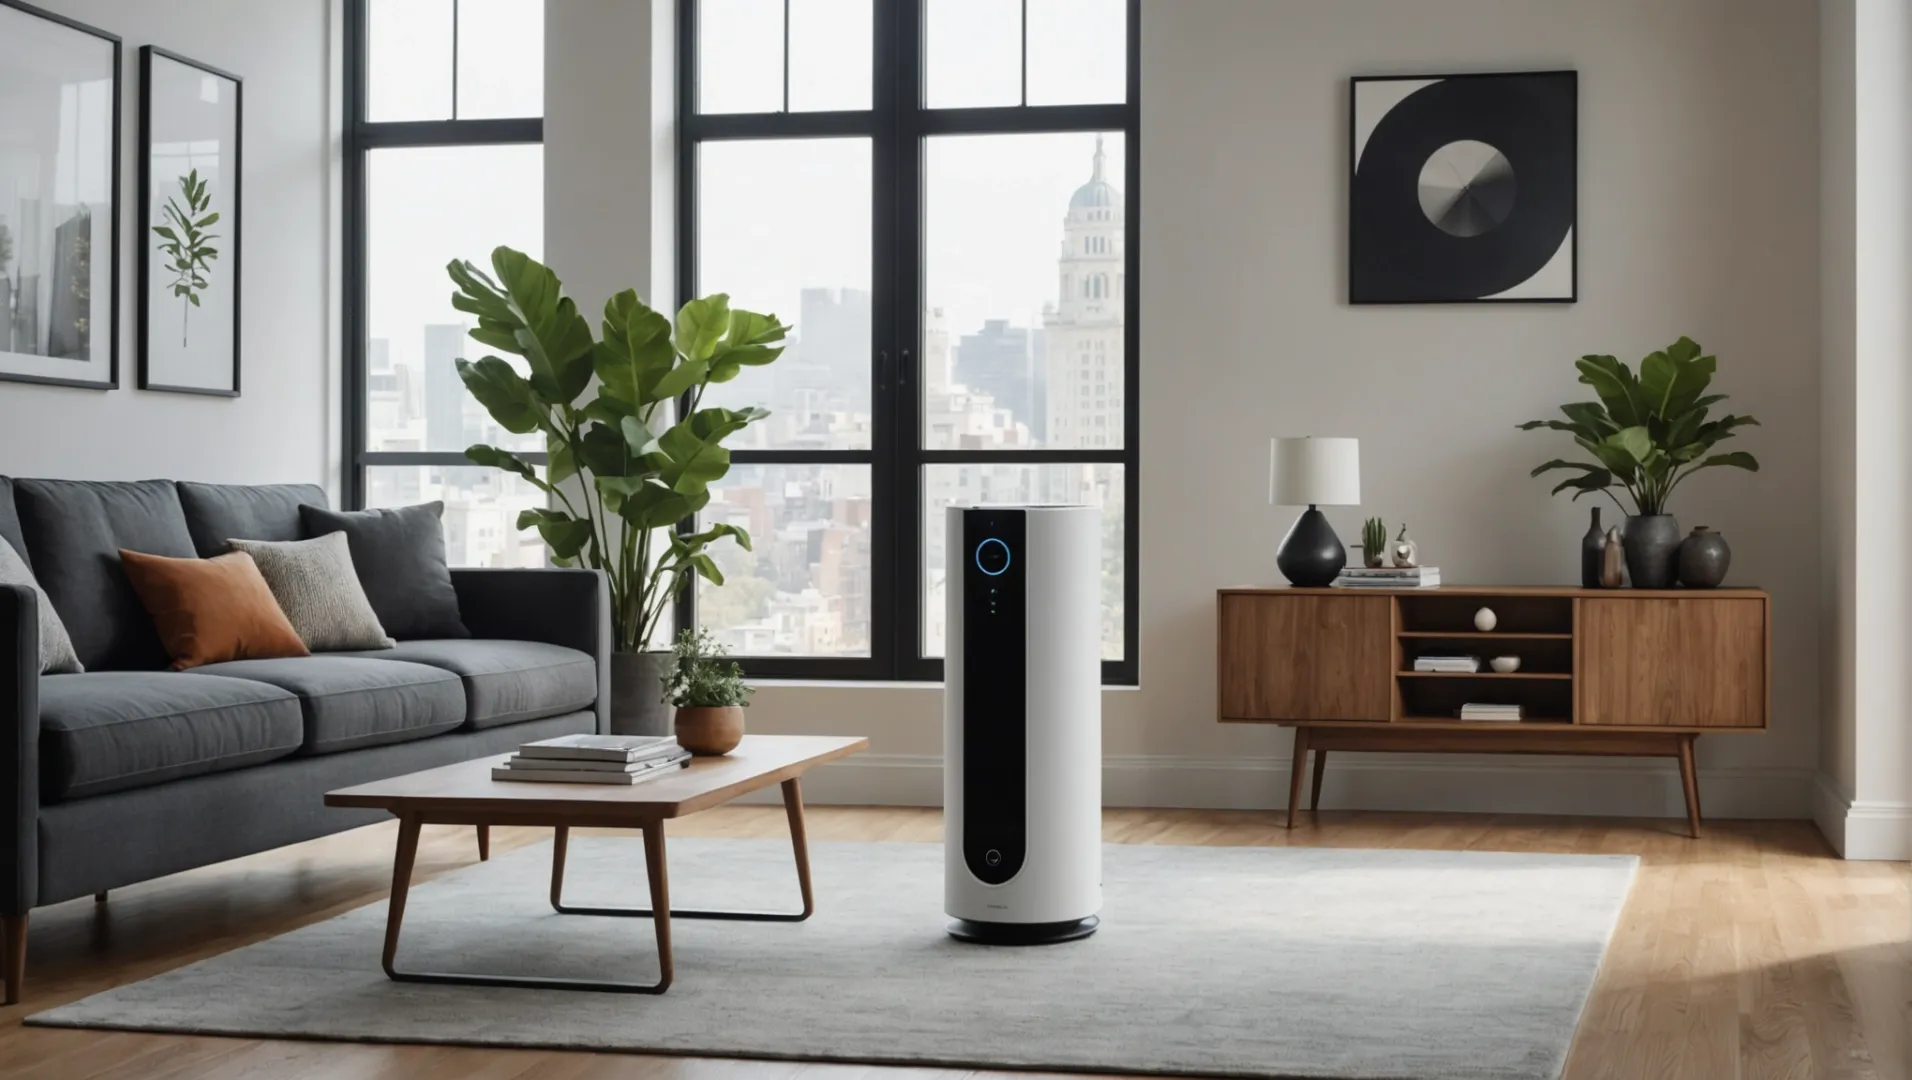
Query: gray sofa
{"points": [[131, 771]]}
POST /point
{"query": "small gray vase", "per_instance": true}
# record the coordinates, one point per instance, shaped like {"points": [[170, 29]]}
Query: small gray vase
{"points": [[1704, 558], [1653, 551], [637, 693]]}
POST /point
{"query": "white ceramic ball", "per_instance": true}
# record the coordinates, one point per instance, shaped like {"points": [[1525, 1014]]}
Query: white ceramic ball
{"points": [[1485, 620], [1505, 664]]}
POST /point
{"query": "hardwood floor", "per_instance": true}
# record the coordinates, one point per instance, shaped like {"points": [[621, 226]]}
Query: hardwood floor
{"points": [[1750, 953]]}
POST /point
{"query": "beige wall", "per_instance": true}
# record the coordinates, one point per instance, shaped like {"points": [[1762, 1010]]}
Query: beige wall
{"points": [[1698, 216], [285, 426]]}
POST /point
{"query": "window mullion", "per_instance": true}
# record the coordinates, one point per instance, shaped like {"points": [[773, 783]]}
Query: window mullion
{"points": [[454, 59], [899, 273]]}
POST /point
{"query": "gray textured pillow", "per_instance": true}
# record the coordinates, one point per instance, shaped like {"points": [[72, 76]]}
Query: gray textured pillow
{"points": [[319, 591], [400, 559], [56, 647]]}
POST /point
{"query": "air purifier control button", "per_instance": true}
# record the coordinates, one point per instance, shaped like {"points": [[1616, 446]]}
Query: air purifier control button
{"points": [[992, 556], [993, 857]]}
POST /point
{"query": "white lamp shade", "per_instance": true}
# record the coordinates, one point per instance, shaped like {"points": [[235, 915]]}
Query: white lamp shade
{"points": [[1314, 471]]}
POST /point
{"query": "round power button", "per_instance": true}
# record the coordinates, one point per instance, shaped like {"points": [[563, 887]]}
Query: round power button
{"points": [[992, 857], [992, 557]]}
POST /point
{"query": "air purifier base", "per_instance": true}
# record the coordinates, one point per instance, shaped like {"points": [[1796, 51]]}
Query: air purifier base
{"points": [[995, 933]]}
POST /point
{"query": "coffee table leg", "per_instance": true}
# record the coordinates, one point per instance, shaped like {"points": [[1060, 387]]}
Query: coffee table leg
{"points": [[793, 810], [560, 844], [660, 881], [401, 886], [799, 841]]}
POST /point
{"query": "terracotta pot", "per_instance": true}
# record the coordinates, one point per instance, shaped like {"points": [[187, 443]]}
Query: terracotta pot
{"points": [[711, 730]]}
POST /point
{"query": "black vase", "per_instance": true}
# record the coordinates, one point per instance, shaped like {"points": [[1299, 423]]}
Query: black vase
{"points": [[1311, 554], [1704, 558], [1653, 551], [1593, 548]]}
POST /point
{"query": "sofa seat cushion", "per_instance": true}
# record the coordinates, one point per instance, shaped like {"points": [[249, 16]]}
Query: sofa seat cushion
{"points": [[350, 702], [114, 730], [507, 682]]}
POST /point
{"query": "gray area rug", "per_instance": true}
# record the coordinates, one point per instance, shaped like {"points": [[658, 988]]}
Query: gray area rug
{"points": [[1257, 962]]}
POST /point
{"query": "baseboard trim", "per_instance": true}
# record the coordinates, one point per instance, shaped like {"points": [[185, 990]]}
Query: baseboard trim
{"points": [[1617, 787], [1864, 830]]}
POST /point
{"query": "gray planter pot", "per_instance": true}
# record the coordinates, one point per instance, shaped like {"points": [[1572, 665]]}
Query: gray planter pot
{"points": [[1653, 551], [637, 693], [1704, 558]]}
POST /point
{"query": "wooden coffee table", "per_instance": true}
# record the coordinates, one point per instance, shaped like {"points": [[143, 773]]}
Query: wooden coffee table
{"points": [[465, 794]]}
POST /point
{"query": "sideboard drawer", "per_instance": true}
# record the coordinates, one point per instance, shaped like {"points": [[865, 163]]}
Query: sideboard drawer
{"points": [[1305, 657], [1677, 662]]}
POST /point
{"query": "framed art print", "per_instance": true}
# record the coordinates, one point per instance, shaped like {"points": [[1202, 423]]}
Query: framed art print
{"points": [[1463, 189], [59, 200], [191, 120]]}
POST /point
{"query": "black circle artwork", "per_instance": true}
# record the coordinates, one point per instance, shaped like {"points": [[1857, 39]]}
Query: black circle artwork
{"points": [[1464, 189]]}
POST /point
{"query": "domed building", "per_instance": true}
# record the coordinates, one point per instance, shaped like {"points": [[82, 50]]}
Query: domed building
{"points": [[1084, 329]]}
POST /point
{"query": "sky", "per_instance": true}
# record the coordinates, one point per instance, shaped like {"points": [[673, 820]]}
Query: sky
{"points": [[774, 216]]}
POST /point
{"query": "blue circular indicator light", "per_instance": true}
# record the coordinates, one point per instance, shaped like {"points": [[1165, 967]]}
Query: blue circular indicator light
{"points": [[992, 552]]}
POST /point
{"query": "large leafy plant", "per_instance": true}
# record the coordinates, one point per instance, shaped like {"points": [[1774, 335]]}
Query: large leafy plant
{"points": [[626, 466], [1648, 433]]}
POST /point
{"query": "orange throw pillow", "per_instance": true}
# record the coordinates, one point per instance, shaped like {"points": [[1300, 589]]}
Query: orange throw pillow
{"points": [[211, 610]]}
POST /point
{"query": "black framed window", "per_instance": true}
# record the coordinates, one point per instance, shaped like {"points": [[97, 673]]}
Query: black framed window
{"points": [[444, 159], [938, 195]]}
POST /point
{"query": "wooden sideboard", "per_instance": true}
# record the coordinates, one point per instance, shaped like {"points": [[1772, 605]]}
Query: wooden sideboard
{"points": [[1624, 672]]}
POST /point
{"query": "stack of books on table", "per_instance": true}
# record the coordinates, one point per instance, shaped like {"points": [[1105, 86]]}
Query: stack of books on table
{"points": [[1467, 664], [1477, 711], [1388, 577], [594, 759]]}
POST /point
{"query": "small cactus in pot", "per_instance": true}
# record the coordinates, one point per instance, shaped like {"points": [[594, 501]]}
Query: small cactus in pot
{"points": [[1374, 543]]}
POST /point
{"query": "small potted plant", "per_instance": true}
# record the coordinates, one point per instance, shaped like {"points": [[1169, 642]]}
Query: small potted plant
{"points": [[1374, 543], [709, 694]]}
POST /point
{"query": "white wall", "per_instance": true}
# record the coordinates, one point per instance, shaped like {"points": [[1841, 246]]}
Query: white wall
{"points": [[1864, 801], [1699, 192], [283, 428]]}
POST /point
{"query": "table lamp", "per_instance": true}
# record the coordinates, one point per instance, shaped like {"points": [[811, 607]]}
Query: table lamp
{"points": [[1313, 472]]}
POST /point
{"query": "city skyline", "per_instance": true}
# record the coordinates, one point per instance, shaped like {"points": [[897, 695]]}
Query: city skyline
{"points": [[1047, 373]]}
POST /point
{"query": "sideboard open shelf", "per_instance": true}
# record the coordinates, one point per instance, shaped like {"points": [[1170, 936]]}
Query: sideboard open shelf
{"points": [[1620, 672]]}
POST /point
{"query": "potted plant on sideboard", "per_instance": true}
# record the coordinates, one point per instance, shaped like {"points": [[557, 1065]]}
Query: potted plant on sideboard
{"points": [[633, 451], [1646, 435], [709, 694]]}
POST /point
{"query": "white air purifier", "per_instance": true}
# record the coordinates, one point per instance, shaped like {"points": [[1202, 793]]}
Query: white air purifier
{"points": [[1022, 723]]}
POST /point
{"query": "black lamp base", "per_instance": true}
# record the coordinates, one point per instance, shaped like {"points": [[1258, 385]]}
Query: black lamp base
{"points": [[1311, 554]]}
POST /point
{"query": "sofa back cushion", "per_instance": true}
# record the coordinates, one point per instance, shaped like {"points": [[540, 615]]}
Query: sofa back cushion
{"points": [[74, 531], [10, 521], [399, 555], [216, 513]]}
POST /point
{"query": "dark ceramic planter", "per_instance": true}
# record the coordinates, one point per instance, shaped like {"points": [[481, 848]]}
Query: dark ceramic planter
{"points": [[637, 693], [1653, 551], [1704, 558]]}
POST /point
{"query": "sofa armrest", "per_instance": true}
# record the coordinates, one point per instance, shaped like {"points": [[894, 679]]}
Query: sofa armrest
{"points": [[19, 749], [558, 606]]}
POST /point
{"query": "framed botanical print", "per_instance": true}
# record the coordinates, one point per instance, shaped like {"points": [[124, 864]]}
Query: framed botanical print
{"points": [[191, 121], [59, 199]]}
